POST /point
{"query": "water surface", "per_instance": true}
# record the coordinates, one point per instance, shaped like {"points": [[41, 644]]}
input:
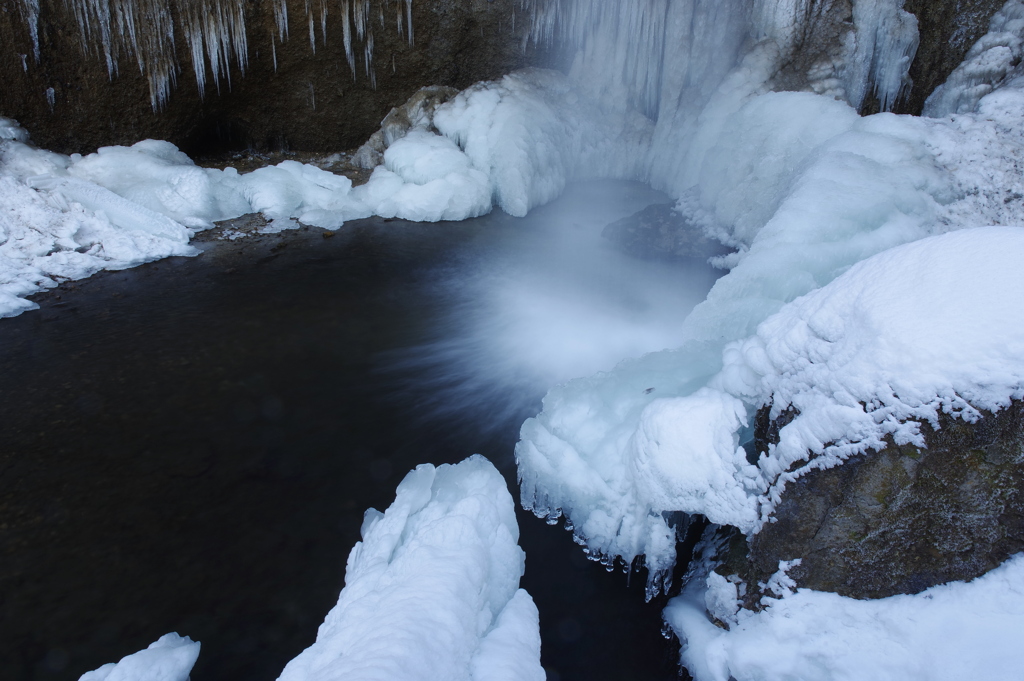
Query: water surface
{"points": [[190, 445]]}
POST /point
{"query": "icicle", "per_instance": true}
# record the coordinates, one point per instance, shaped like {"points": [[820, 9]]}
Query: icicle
{"points": [[885, 43], [214, 32], [408, 20], [323, 21], [281, 18], [51, 98], [312, 32], [359, 17], [346, 22], [273, 50], [30, 8]]}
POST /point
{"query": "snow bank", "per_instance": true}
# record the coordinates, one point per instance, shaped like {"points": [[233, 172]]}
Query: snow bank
{"points": [[947, 633], [826, 192], [517, 142], [169, 658], [432, 590]]}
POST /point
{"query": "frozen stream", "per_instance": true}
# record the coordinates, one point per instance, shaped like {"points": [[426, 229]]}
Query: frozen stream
{"points": [[190, 445]]}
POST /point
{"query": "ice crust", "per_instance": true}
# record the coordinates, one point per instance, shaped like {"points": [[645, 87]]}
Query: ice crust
{"points": [[431, 592], [169, 658], [947, 633]]}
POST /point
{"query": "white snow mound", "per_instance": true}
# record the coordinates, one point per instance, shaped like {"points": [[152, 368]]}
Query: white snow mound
{"points": [[956, 631], [169, 658], [916, 330], [431, 592]]}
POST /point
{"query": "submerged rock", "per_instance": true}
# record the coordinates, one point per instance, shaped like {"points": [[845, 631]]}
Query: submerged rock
{"points": [[659, 231], [899, 520]]}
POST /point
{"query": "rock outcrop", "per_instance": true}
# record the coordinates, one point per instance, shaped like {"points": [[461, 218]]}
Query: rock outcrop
{"points": [[899, 520]]}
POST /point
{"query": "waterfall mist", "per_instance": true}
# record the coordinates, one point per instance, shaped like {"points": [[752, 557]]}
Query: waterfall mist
{"points": [[542, 300]]}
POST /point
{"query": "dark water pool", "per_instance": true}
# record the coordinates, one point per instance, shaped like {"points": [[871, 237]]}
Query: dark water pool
{"points": [[190, 445]]}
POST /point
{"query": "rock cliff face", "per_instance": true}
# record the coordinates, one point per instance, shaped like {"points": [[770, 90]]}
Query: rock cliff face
{"points": [[902, 519], [311, 102]]}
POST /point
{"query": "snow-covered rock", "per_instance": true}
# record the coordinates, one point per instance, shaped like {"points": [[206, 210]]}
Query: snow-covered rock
{"points": [[169, 658], [431, 592], [947, 633]]}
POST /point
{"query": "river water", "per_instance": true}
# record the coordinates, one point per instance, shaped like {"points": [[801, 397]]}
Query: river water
{"points": [[190, 445]]}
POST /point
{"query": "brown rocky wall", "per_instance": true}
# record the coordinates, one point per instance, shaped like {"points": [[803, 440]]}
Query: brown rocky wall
{"points": [[905, 518], [311, 103]]}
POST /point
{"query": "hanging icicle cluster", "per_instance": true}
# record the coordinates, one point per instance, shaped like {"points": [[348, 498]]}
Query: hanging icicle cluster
{"points": [[214, 32], [144, 30]]}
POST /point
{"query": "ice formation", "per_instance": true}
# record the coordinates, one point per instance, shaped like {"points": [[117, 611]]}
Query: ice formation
{"points": [[169, 658], [988, 62], [67, 228], [431, 592], [647, 53], [947, 633], [804, 191]]}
